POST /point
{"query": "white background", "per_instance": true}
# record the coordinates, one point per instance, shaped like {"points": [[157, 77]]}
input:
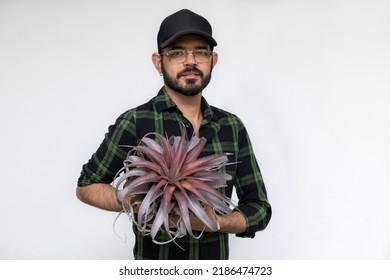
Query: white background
{"points": [[310, 79]]}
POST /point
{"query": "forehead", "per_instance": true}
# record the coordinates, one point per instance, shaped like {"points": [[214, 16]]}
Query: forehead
{"points": [[190, 41]]}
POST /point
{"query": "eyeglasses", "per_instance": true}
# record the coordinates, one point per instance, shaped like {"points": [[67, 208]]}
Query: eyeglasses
{"points": [[179, 56]]}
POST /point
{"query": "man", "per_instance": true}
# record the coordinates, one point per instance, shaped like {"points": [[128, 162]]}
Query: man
{"points": [[185, 59]]}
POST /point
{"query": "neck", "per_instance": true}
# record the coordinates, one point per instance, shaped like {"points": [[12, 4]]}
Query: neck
{"points": [[190, 106]]}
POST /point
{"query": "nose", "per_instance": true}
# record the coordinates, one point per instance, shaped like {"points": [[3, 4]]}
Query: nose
{"points": [[190, 59]]}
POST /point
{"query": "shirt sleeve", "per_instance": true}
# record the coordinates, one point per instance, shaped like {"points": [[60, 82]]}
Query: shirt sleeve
{"points": [[251, 192], [105, 163]]}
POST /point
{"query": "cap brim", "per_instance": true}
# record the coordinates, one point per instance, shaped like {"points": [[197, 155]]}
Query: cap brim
{"points": [[177, 35]]}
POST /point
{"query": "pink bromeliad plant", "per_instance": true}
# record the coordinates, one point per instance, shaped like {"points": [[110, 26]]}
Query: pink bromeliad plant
{"points": [[172, 179]]}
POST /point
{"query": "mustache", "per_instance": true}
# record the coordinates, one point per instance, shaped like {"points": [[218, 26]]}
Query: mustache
{"points": [[190, 69]]}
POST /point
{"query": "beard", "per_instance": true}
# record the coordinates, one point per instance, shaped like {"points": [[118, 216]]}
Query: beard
{"points": [[190, 88]]}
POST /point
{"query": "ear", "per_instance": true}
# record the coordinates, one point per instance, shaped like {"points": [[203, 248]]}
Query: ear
{"points": [[156, 59], [215, 59]]}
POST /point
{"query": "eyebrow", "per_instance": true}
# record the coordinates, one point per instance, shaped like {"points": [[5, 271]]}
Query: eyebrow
{"points": [[179, 47]]}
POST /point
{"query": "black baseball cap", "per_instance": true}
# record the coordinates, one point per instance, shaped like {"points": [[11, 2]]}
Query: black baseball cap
{"points": [[184, 22]]}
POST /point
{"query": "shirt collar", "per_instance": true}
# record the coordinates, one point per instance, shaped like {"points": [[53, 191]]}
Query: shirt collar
{"points": [[163, 103]]}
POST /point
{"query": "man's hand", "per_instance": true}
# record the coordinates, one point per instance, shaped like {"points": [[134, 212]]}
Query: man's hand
{"points": [[234, 222]]}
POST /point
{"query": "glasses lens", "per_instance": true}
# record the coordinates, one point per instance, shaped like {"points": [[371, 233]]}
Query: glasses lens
{"points": [[202, 56], [179, 56]]}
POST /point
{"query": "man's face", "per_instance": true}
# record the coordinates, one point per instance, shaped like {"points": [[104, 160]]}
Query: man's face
{"points": [[189, 77]]}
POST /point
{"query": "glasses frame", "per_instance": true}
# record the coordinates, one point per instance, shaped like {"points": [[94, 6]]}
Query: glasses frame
{"points": [[171, 52]]}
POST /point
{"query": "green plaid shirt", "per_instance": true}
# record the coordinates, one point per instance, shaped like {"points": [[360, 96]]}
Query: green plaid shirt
{"points": [[224, 133]]}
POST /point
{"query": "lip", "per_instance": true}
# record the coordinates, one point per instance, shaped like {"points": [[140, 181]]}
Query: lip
{"points": [[190, 75]]}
